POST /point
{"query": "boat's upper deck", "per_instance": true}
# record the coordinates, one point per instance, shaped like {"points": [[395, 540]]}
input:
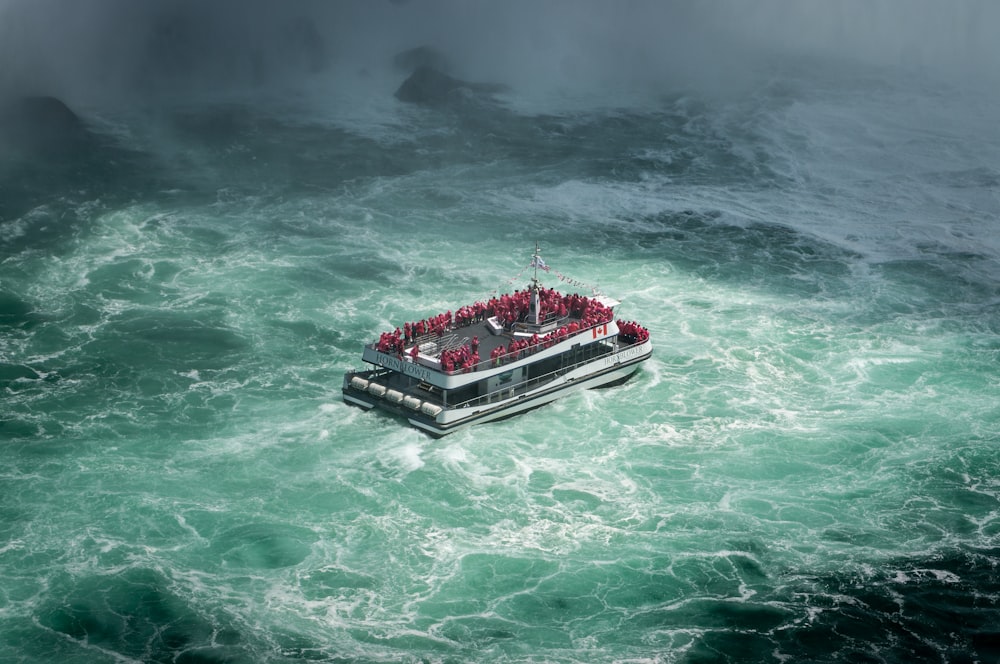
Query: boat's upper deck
{"points": [[496, 332]]}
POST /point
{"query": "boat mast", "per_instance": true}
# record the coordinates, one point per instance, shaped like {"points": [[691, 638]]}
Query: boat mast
{"points": [[534, 263], [535, 312]]}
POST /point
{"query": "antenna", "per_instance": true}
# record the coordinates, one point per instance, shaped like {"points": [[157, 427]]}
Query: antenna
{"points": [[535, 305], [534, 263]]}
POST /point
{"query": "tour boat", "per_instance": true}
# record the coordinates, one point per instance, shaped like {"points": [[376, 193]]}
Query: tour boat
{"points": [[498, 357]]}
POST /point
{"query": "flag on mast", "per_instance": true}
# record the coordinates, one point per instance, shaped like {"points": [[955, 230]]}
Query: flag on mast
{"points": [[536, 261]]}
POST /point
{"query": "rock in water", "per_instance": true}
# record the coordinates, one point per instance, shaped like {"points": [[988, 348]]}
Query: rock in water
{"points": [[427, 85], [41, 124]]}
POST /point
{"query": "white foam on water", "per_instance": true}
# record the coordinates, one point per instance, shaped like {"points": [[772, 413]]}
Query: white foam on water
{"points": [[817, 407]]}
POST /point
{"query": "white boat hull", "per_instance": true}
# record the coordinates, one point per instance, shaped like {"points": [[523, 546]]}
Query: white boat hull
{"points": [[609, 370]]}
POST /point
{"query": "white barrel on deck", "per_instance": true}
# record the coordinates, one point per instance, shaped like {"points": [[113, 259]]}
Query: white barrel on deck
{"points": [[430, 409], [394, 396], [411, 402], [376, 389], [359, 383]]}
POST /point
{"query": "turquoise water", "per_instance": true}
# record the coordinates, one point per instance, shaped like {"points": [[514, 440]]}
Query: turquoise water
{"points": [[806, 470]]}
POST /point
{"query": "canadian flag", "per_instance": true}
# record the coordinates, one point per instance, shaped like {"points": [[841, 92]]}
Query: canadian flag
{"points": [[600, 330]]}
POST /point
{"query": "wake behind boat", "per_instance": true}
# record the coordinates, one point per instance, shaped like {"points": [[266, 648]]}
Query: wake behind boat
{"points": [[499, 357]]}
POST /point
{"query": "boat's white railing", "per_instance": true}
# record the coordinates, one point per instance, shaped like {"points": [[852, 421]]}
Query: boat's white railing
{"points": [[504, 359]]}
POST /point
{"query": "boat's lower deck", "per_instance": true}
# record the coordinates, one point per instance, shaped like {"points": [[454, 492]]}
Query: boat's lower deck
{"points": [[440, 411]]}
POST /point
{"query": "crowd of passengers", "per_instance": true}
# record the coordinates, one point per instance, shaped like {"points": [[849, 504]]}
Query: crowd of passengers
{"points": [[631, 332], [508, 309]]}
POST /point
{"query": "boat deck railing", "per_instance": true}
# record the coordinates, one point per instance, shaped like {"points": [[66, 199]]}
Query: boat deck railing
{"points": [[457, 336], [405, 387], [447, 341], [527, 385]]}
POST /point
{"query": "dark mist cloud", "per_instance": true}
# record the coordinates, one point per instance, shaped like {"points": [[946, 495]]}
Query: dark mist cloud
{"points": [[112, 51]]}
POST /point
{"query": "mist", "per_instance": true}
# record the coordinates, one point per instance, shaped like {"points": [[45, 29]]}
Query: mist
{"points": [[117, 52]]}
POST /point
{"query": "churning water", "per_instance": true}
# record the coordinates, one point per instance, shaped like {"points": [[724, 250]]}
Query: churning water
{"points": [[808, 469]]}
